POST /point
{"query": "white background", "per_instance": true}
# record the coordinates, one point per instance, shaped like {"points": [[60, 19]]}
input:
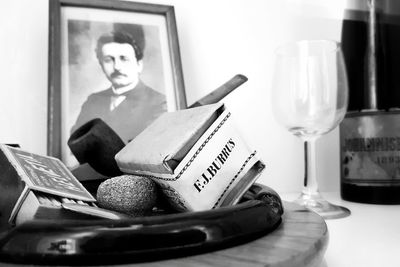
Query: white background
{"points": [[218, 39]]}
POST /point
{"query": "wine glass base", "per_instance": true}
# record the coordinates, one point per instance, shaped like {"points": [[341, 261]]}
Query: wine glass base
{"points": [[322, 207]]}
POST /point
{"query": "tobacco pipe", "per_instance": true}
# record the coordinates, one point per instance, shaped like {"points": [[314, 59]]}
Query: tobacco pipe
{"points": [[142, 239], [96, 143], [221, 91]]}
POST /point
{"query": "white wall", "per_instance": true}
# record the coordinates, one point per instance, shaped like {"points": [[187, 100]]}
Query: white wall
{"points": [[218, 39]]}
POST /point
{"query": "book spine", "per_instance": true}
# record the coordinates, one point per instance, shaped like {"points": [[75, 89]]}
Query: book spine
{"points": [[11, 188]]}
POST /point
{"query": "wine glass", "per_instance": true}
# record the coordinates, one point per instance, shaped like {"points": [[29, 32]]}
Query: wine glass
{"points": [[309, 98]]}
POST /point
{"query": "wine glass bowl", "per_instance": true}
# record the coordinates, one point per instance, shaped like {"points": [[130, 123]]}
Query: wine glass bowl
{"points": [[309, 98]]}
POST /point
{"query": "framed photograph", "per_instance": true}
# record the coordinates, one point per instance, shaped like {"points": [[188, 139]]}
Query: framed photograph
{"points": [[114, 60]]}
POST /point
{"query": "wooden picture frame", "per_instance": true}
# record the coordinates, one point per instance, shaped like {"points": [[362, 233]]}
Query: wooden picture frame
{"points": [[75, 73]]}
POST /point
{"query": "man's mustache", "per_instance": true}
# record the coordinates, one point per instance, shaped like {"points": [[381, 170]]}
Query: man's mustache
{"points": [[116, 74]]}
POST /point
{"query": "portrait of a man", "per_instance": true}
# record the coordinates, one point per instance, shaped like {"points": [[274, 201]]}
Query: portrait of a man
{"points": [[117, 61], [119, 66], [128, 105]]}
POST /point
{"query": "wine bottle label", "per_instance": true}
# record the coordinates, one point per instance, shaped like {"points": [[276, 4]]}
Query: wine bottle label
{"points": [[370, 148]]}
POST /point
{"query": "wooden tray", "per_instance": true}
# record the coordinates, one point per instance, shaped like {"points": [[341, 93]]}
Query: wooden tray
{"points": [[300, 240]]}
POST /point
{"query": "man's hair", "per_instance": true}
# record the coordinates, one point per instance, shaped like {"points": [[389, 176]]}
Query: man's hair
{"points": [[118, 37]]}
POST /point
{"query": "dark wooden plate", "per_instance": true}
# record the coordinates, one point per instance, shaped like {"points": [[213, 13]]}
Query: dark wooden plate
{"points": [[143, 239]]}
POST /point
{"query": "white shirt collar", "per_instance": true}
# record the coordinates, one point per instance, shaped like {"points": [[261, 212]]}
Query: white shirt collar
{"points": [[116, 100]]}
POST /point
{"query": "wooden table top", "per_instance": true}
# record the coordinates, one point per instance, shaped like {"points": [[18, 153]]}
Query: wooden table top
{"points": [[300, 240]]}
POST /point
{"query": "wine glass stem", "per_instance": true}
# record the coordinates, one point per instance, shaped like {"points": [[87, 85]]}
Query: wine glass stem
{"points": [[310, 186]]}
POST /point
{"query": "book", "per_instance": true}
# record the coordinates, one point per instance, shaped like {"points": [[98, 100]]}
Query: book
{"points": [[39, 205], [33, 187], [196, 156], [43, 206]]}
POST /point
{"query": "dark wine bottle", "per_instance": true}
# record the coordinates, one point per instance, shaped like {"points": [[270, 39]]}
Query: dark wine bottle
{"points": [[370, 132]]}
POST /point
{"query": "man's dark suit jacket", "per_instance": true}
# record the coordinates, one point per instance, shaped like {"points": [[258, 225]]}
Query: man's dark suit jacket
{"points": [[141, 106]]}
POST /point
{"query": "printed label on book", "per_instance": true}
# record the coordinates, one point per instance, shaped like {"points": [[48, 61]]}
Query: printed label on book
{"points": [[46, 174]]}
